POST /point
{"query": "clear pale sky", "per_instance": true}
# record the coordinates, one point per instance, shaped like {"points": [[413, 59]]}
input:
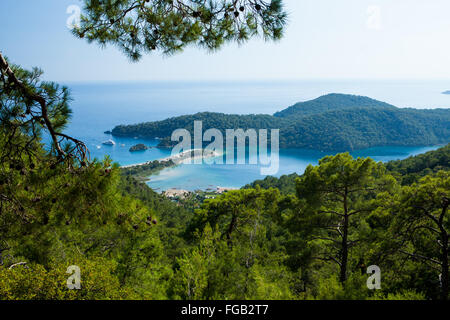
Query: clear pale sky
{"points": [[325, 39]]}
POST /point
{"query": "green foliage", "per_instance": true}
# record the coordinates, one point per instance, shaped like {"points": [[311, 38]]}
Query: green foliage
{"points": [[285, 183], [338, 195], [19, 110], [332, 289], [412, 169], [244, 245], [330, 102], [22, 115], [403, 295], [173, 218], [421, 227], [191, 279], [138, 26], [138, 147], [35, 282]]}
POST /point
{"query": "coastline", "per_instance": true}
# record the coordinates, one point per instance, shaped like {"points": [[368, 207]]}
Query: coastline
{"points": [[181, 157], [175, 160]]}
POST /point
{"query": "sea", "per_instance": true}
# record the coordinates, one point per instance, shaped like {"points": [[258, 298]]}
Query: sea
{"points": [[100, 106]]}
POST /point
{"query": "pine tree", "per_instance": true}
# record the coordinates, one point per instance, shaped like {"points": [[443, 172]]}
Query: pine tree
{"points": [[337, 194], [142, 26], [421, 227]]}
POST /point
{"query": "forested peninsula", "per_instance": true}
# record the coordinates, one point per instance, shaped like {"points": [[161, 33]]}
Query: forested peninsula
{"points": [[334, 122]]}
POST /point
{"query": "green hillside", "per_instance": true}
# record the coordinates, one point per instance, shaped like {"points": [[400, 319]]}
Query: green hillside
{"points": [[330, 102], [413, 168], [334, 122], [360, 128]]}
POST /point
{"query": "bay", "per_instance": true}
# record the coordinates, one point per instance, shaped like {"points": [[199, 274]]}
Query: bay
{"points": [[98, 107]]}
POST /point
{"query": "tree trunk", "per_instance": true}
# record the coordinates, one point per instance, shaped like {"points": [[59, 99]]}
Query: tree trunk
{"points": [[344, 257], [444, 239], [231, 228], [444, 274]]}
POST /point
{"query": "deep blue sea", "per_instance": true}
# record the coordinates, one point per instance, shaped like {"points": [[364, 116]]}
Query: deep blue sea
{"points": [[98, 107]]}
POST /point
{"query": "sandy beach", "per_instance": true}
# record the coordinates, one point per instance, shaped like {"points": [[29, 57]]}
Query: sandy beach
{"points": [[193, 154]]}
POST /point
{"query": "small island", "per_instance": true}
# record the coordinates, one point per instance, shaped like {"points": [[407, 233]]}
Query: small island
{"points": [[138, 147], [446, 92], [107, 132]]}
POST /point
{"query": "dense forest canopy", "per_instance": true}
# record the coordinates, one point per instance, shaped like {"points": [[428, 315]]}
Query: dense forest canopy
{"points": [[334, 122]]}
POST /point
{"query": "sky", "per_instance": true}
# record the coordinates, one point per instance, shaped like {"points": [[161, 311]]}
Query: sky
{"points": [[324, 39]]}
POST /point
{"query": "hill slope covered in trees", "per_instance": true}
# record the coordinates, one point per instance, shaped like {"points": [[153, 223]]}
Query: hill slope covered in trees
{"points": [[334, 122], [407, 171], [330, 102]]}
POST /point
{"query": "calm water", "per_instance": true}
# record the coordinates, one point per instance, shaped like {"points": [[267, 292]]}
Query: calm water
{"points": [[98, 107]]}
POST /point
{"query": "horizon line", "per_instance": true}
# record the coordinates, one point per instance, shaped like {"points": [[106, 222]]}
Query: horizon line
{"points": [[279, 80]]}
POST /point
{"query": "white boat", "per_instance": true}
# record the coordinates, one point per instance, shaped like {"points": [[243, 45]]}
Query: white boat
{"points": [[109, 143]]}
